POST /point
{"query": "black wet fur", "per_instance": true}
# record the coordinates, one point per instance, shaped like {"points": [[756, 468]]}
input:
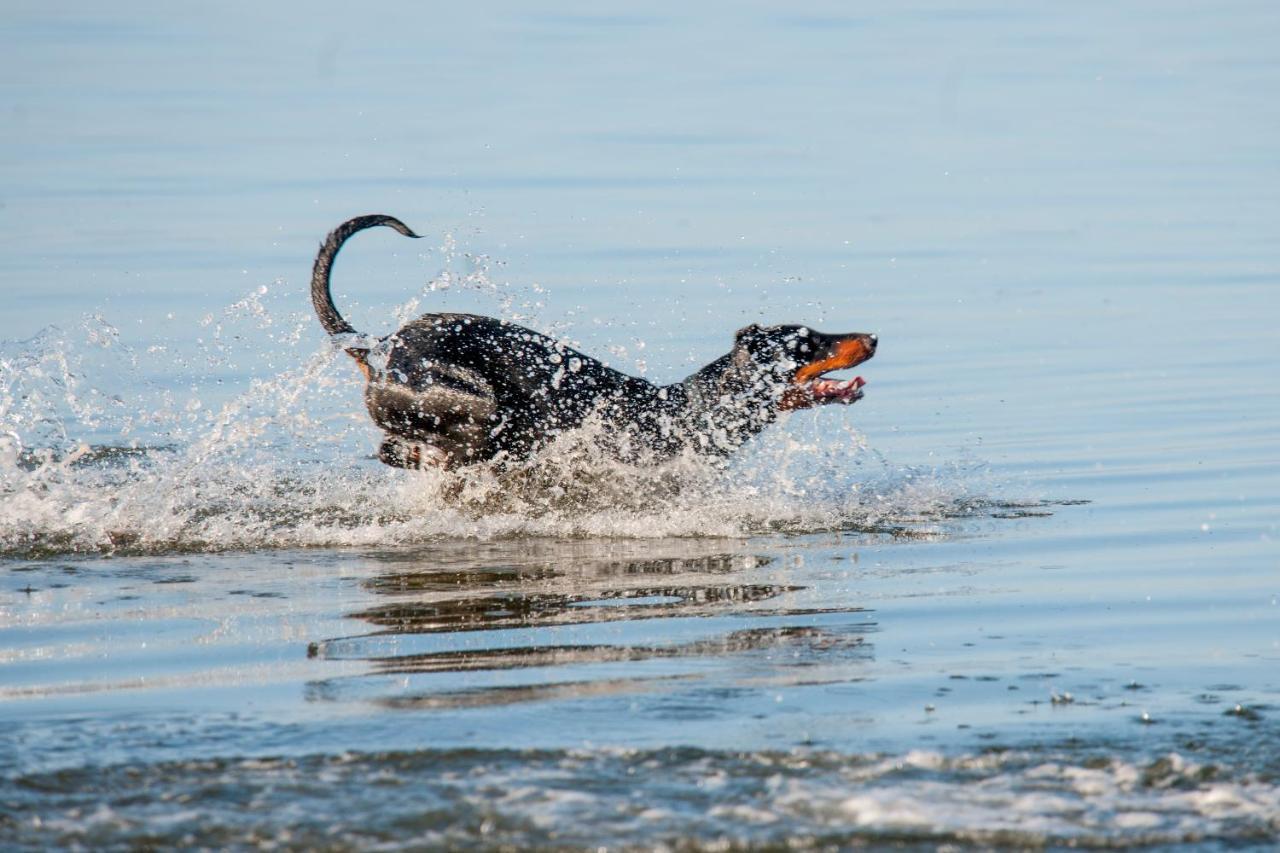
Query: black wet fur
{"points": [[456, 389]]}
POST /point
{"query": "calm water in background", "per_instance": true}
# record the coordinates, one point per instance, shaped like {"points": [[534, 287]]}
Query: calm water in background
{"points": [[1025, 592]]}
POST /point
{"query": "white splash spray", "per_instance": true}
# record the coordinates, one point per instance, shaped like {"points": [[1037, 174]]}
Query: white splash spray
{"points": [[107, 446]]}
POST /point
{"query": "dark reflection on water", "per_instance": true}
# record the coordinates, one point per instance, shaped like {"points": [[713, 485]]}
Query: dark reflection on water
{"points": [[519, 610], [581, 628], [735, 642], [451, 579]]}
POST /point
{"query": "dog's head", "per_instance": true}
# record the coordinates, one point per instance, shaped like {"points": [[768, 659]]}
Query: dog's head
{"points": [[791, 362]]}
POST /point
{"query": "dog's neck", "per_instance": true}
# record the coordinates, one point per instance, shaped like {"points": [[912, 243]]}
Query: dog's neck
{"points": [[737, 375], [733, 396]]}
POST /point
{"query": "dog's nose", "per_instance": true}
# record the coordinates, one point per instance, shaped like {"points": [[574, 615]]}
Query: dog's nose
{"points": [[874, 340]]}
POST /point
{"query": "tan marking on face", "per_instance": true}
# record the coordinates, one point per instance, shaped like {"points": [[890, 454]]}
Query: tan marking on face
{"points": [[359, 356], [796, 397], [848, 353]]}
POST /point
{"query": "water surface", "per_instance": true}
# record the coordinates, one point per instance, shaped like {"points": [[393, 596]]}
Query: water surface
{"points": [[1026, 592]]}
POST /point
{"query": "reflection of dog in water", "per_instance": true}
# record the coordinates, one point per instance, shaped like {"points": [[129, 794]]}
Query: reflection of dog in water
{"points": [[455, 389]]}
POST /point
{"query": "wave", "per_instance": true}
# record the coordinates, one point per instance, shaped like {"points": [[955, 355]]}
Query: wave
{"points": [[677, 798]]}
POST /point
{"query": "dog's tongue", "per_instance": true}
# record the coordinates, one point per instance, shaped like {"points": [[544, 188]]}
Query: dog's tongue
{"points": [[828, 390]]}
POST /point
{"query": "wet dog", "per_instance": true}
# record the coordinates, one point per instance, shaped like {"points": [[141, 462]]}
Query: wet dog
{"points": [[450, 390]]}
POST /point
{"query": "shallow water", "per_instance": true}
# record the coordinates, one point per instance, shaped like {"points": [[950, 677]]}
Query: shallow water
{"points": [[1025, 593]]}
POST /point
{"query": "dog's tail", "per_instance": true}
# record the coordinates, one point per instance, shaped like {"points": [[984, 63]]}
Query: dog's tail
{"points": [[320, 296]]}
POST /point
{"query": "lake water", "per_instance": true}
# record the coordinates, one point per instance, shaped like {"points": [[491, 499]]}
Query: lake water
{"points": [[1026, 592]]}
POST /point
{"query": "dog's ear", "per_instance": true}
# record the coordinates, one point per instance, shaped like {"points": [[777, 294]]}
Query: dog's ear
{"points": [[746, 332]]}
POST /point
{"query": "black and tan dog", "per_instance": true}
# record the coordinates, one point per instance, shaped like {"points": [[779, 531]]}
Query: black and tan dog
{"points": [[456, 389]]}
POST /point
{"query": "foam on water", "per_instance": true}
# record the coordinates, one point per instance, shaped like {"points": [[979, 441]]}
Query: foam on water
{"points": [[106, 445], [663, 799]]}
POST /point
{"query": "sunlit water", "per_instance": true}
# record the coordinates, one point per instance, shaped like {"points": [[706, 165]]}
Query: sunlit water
{"points": [[1027, 592]]}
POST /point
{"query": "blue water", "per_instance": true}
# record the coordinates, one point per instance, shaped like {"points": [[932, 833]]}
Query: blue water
{"points": [[1026, 592]]}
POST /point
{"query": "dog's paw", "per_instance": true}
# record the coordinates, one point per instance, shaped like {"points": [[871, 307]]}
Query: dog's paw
{"points": [[400, 452]]}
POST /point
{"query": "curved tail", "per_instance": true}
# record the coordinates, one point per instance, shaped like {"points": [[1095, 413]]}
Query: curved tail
{"points": [[320, 297]]}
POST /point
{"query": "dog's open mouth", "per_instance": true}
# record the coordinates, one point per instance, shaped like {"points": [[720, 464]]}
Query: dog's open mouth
{"points": [[811, 387], [834, 391], [821, 392]]}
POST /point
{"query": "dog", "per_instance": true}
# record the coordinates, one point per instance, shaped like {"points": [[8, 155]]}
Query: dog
{"points": [[451, 390]]}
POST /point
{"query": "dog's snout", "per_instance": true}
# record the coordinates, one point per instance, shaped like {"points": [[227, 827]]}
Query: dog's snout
{"points": [[873, 340]]}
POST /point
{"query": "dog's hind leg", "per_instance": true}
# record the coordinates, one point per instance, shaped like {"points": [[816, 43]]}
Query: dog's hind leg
{"points": [[432, 420]]}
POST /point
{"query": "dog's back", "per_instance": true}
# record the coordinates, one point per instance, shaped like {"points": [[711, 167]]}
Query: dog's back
{"points": [[478, 386]]}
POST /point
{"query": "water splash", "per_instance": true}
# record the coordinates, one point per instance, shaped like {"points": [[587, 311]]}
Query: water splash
{"points": [[108, 445]]}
